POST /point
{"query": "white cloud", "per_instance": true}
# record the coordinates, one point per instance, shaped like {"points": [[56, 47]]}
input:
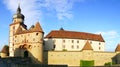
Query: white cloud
{"points": [[109, 34], [33, 11], [111, 39]]}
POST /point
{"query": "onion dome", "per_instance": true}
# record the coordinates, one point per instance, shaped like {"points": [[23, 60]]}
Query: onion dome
{"points": [[18, 14]]}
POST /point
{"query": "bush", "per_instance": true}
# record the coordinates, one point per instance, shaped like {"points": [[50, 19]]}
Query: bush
{"points": [[64, 49], [86, 63], [109, 63]]}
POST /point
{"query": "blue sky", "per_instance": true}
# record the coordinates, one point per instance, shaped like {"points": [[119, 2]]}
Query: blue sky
{"points": [[93, 16]]}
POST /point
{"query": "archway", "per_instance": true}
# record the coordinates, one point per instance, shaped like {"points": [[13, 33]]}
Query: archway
{"points": [[26, 54]]}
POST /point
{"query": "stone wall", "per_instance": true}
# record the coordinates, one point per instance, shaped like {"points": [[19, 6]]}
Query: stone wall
{"points": [[72, 58]]}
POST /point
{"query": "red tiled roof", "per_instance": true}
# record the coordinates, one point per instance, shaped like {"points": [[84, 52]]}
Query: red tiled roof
{"points": [[74, 35], [87, 46], [36, 28], [117, 48], [5, 49]]}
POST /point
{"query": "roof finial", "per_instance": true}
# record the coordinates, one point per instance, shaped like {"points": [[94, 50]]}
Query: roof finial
{"points": [[18, 9], [61, 29]]}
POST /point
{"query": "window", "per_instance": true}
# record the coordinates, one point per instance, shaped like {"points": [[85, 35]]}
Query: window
{"points": [[99, 43], [36, 34], [13, 27], [21, 35], [13, 44], [77, 41], [15, 36], [72, 47], [99, 48], [77, 46], [33, 39], [63, 46], [54, 46], [72, 41], [63, 41], [90, 42]]}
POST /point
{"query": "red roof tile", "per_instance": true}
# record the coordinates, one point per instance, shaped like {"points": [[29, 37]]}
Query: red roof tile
{"points": [[87, 46], [5, 49], [36, 28], [117, 48], [74, 35]]}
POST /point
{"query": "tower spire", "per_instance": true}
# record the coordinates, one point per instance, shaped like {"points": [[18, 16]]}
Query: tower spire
{"points": [[18, 9]]}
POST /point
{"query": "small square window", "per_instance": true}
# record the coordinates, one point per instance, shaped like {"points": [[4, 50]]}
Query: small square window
{"points": [[63, 46], [36, 34], [63, 41], [72, 41], [77, 46], [78, 41], [99, 48], [99, 43], [72, 47]]}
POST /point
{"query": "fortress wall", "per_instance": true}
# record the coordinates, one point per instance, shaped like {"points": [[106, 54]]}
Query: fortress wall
{"points": [[103, 57], [72, 58]]}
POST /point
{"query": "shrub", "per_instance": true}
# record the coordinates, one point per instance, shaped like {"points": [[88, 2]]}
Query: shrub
{"points": [[64, 49], [109, 63], [86, 63]]}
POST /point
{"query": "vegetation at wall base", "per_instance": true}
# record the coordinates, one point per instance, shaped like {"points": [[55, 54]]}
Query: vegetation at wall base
{"points": [[109, 64], [64, 49], [86, 63]]}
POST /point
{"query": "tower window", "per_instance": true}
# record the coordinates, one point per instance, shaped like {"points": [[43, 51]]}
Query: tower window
{"points": [[36, 34], [15, 36], [13, 27], [33, 39]]}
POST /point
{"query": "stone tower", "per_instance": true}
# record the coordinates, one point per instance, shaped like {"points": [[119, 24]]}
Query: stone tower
{"points": [[18, 20], [25, 42]]}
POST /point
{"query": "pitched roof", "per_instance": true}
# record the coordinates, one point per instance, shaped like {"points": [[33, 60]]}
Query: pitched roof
{"points": [[74, 35], [38, 27], [5, 49], [19, 30], [117, 48], [87, 46]]}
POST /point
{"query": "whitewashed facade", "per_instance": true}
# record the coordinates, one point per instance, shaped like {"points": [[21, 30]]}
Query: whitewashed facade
{"points": [[70, 44]]}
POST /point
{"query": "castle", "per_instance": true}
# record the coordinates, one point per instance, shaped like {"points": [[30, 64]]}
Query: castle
{"points": [[58, 47]]}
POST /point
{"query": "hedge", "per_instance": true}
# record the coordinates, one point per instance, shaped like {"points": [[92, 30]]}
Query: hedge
{"points": [[86, 63]]}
